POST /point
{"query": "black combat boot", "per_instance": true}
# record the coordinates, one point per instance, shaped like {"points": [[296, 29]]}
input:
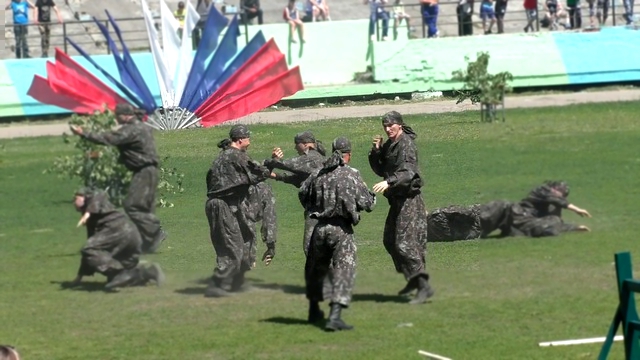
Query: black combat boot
{"points": [[425, 291], [125, 278], [153, 272], [150, 248], [335, 323], [412, 284], [315, 314]]}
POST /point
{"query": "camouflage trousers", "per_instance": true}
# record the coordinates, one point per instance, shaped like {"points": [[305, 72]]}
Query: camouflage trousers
{"points": [[496, 215], [525, 224], [332, 243], [20, 33], [309, 225], [454, 223], [405, 236], [233, 241], [260, 206], [111, 250], [140, 203], [45, 35]]}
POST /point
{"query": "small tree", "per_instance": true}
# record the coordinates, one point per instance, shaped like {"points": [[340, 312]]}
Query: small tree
{"points": [[97, 166], [482, 87]]}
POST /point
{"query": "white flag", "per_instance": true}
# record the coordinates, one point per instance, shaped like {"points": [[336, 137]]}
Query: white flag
{"points": [[170, 42], [186, 49], [164, 79]]}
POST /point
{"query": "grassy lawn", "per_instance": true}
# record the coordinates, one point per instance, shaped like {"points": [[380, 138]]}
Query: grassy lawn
{"points": [[495, 298]]}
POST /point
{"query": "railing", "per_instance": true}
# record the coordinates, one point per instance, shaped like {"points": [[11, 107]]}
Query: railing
{"points": [[86, 34]]}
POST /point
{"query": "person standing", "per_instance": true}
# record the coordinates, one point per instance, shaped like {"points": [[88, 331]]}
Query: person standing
{"points": [[134, 140], [20, 9], [405, 230], [334, 196], [113, 244], [42, 17], [228, 181]]}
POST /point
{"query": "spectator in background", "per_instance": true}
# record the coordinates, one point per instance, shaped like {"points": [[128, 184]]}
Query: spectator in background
{"points": [[8, 352], [250, 10], [180, 14], [42, 16], [203, 7], [531, 8], [464, 10], [554, 12], [628, 11], [429, 9], [20, 9], [291, 16], [315, 9], [398, 15], [486, 12], [575, 14], [378, 13], [603, 11], [592, 12], [500, 11]]}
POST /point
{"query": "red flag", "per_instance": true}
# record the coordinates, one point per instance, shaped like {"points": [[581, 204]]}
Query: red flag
{"points": [[243, 103], [41, 91], [266, 57], [71, 65], [66, 84]]}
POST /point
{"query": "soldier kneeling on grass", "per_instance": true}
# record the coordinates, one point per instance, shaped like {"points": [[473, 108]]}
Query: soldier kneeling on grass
{"points": [[113, 246]]}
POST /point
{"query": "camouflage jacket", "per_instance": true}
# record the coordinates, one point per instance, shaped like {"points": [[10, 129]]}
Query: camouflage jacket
{"points": [[336, 191], [299, 167], [231, 174], [135, 142], [541, 199], [397, 163], [103, 213]]}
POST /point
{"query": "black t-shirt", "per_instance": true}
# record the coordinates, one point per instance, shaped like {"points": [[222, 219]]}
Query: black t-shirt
{"points": [[44, 10]]}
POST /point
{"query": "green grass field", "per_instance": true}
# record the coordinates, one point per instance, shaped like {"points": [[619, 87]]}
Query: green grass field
{"points": [[495, 298]]}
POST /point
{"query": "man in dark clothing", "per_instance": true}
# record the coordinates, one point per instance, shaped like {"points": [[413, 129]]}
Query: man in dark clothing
{"points": [[537, 215], [229, 179], [309, 160], [335, 196], [260, 206], [405, 230], [251, 9], [464, 10], [134, 140], [113, 244], [43, 19]]}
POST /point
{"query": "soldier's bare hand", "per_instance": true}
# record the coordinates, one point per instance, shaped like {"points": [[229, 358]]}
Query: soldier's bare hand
{"points": [[583, 228], [83, 219], [268, 255], [277, 153], [377, 141], [583, 213], [76, 129], [381, 187]]}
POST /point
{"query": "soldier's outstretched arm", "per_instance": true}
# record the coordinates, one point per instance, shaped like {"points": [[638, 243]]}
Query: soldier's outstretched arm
{"points": [[122, 136], [579, 211]]}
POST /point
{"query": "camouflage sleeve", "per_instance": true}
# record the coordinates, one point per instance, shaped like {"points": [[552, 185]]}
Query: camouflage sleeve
{"points": [[547, 194], [296, 165], [406, 171], [365, 199], [305, 193], [256, 172], [375, 161], [98, 203], [118, 137], [288, 178]]}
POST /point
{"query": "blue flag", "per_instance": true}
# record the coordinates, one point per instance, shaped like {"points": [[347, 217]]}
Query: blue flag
{"points": [[252, 47], [211, 32], [132, 69], [120, 86], [227, 49]]}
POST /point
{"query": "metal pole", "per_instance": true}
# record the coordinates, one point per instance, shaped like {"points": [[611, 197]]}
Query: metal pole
{"points": [[64, 37]]}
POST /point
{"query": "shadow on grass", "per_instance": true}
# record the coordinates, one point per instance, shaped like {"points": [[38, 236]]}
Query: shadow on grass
{"points": [[192, 291], [381, 298], [287, 289], [85, 286], [292, 321]]}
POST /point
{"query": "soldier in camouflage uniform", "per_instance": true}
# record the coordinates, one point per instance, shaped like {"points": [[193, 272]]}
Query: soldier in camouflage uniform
{"points": [[539, 214], [137, 149], [260, 206], [228, 182], [113, 244], [309, 160], [405, 230], [334, 196]]}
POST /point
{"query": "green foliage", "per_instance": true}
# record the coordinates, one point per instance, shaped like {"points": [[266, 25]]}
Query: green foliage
{"points": [[97, 165], [480, 86]]}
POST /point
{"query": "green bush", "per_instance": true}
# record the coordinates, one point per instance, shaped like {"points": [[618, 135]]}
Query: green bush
{"points": [[97, 165]]}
